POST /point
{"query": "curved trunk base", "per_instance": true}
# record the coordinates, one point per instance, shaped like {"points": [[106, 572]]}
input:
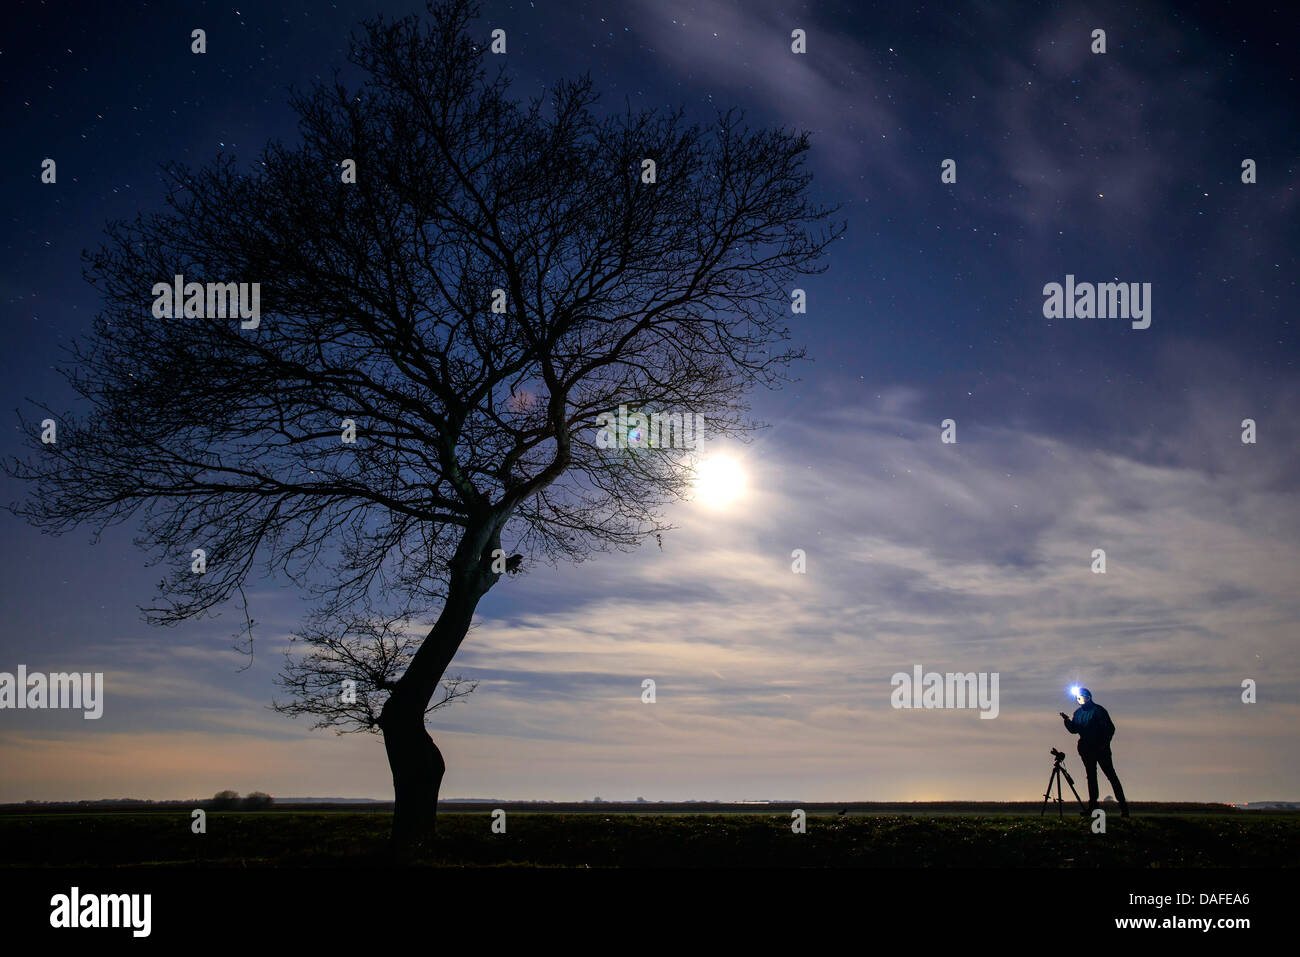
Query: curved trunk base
{"points": [[415, 760], [418, 768]]}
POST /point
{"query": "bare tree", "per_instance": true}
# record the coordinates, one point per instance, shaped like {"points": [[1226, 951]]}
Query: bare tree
{"points": [[499, 274]]}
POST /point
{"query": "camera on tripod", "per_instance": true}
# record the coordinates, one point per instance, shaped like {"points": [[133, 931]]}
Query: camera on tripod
{"points": [[1058, 772]]}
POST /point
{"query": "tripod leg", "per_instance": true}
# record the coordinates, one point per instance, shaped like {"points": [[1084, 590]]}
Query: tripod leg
{"points": [[1048, 793], [1060, 804], [1074, 789]]}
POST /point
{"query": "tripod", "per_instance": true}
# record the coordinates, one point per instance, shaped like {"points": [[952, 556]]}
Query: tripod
{"points": [[1058, 770]]}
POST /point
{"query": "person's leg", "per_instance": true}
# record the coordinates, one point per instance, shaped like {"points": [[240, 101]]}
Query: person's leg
{"points": [[1108, 768], [1090, 769]]}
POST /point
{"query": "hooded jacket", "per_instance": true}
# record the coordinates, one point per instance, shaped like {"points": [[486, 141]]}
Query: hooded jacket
{"points": [[1091, 722]]}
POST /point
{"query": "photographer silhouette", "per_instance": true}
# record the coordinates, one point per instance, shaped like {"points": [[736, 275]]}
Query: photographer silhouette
{"points": [[1091, 722]]}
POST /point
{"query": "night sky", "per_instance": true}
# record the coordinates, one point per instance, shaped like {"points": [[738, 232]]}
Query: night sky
{"points": [[1073, 433]]}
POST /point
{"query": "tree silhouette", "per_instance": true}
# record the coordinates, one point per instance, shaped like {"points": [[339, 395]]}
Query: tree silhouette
{"points": [[498, 275], [225, 801]]}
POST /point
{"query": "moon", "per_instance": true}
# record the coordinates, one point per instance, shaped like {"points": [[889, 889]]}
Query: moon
{"points": [[720, 482]]}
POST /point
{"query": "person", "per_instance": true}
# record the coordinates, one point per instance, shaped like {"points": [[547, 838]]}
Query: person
{"points": [[1091, 722]]}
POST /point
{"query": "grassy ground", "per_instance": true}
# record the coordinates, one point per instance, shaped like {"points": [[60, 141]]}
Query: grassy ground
{"points": [[340, 839]]}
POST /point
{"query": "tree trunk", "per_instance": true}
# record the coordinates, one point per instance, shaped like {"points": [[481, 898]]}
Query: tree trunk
{"points": [[417, 767], [414, 759]]}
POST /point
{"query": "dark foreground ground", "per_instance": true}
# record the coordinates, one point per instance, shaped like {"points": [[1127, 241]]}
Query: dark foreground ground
{"points": [[943, 836]]}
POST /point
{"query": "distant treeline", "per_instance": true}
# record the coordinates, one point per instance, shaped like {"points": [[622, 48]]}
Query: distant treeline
{"points": [[221, 801], [230, 801]]}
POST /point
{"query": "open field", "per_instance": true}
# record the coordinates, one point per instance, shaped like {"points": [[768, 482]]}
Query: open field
{"points": [[943, 836]]}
